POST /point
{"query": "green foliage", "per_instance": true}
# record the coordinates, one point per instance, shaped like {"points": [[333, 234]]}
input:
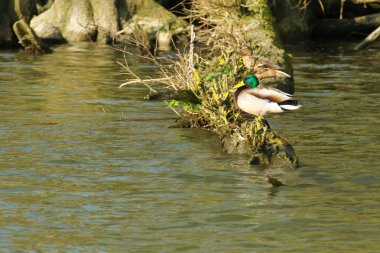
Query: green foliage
{"points": [[375, 6], [212, 82], [216, 77], [186, 105]]}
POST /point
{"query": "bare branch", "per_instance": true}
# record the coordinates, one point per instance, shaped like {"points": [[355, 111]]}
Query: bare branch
{"points": [[156, 80], [369, 39]]}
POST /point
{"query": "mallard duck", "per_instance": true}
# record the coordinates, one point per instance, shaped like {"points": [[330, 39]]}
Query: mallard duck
{"points": [[260, 66], [259, 101]]}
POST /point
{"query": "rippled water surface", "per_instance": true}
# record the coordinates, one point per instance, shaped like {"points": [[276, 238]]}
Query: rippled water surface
{"points": [[86, 167]]}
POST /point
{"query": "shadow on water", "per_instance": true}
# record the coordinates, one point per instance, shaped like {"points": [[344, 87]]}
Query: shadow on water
{"points": [[88, 167]]}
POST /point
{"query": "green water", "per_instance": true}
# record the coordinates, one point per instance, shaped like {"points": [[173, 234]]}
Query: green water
{"points": [[86, 167]]}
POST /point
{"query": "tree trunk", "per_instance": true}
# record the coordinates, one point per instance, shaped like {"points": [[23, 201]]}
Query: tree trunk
{"points": [[235, 25], [101, 20], [68, 20], [160, 24]]}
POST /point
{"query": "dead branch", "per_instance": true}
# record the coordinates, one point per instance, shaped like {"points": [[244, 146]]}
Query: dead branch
{"points": [[365, 1], [129, 71], [155, 80], [369, 39]]}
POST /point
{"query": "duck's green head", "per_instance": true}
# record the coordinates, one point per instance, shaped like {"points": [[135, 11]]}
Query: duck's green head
{"points": [[251, 81]]}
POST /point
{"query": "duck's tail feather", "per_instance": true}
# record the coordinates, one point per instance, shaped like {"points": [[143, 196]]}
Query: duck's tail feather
{"points": [[289, 105]]}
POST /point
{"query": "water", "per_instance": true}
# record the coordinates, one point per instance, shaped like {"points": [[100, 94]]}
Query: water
{"points": [[86, 167]]}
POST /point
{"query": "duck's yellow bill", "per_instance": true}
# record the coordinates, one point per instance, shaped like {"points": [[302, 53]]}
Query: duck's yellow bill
{"points": [[238, 85]]}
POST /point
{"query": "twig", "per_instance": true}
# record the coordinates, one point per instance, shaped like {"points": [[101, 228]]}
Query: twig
{"points": [[191, 53], [158, 80], [126, 67], [365, 1], [172, 108], [322, 7], [341, 8], [369, 39]]}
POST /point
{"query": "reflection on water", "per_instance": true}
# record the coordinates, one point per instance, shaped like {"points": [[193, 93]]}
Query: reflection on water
{"points": [[86, 167]]}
